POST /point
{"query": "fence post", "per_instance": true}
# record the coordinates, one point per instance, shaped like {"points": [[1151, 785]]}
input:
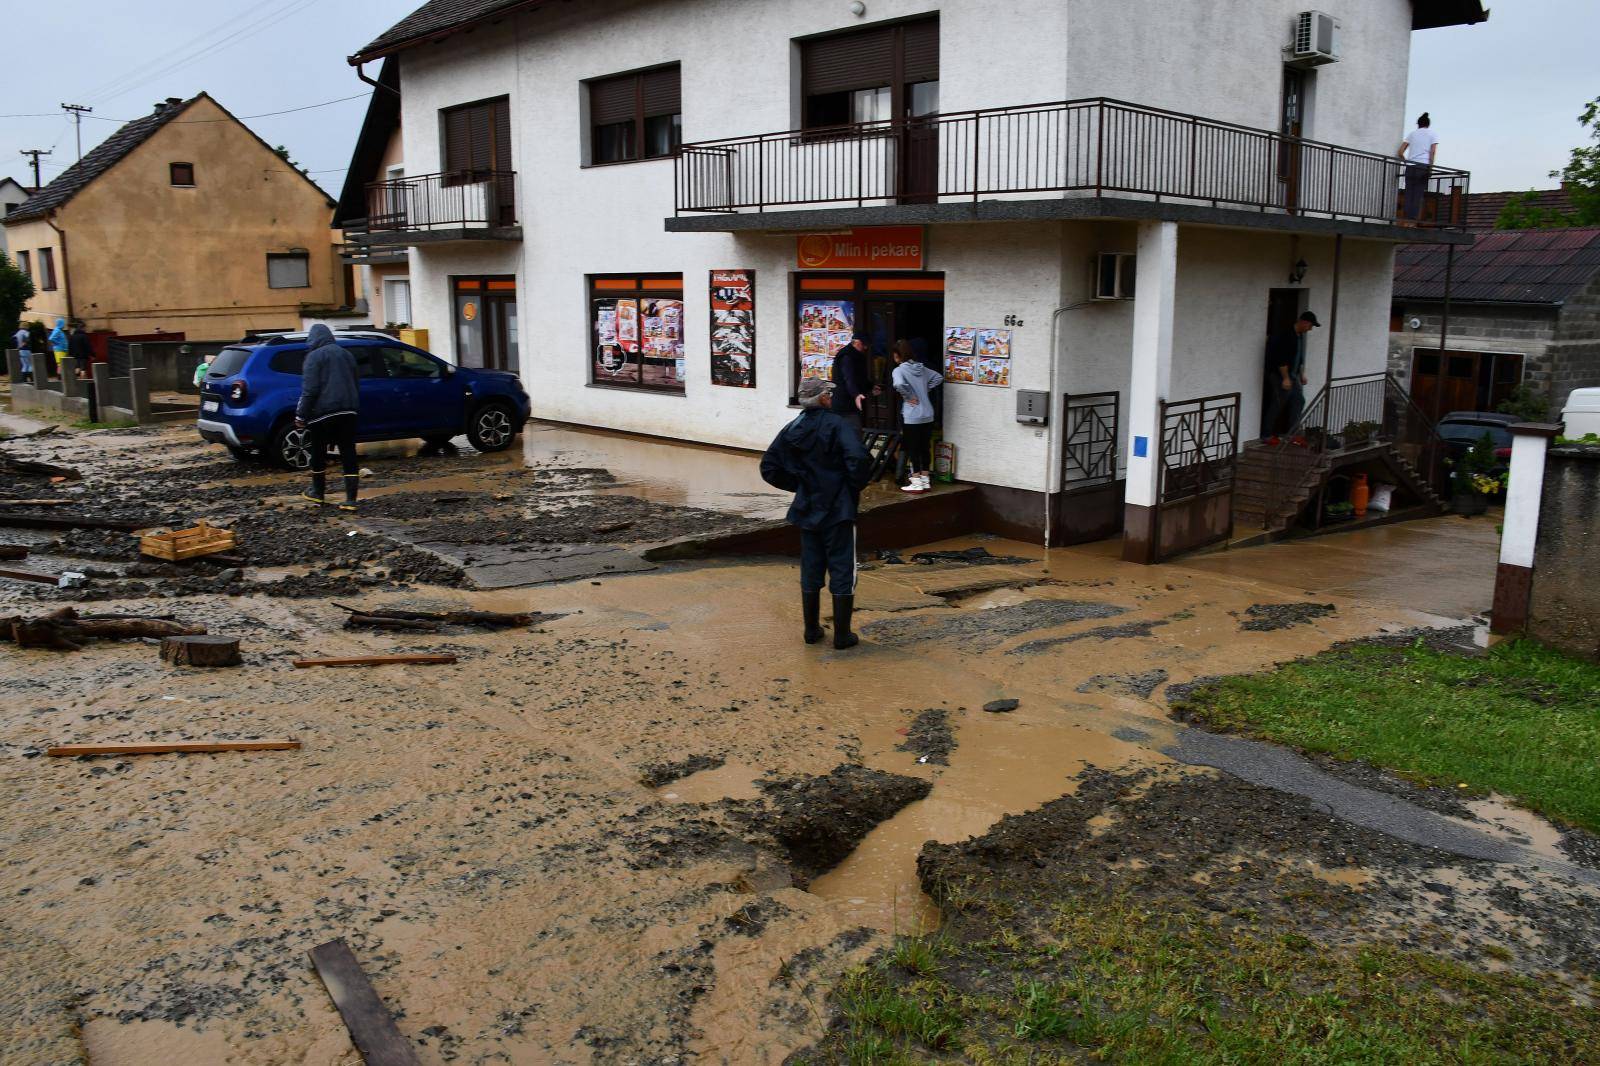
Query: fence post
{"points": [[1513, 577], [139, 393], [14, 364], [102, 386], [69, 378]]}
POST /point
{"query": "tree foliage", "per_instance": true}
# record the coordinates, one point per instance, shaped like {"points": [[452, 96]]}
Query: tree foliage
{"points": [[16, 289], [1581, 177]]}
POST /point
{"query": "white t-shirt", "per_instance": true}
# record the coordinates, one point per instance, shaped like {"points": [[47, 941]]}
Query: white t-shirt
{"points": [[1419, 146]]}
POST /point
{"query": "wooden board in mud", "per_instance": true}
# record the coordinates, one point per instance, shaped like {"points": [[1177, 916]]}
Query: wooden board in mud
{"points": [[168, 747], [372, 1028], [376, 660]]}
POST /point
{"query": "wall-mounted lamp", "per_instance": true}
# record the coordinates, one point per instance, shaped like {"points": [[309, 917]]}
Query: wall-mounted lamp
{"points": [[1297, 273], [857, 8]]}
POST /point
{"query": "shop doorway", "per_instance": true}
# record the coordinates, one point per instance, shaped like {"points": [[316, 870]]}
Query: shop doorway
{"points": [[918, 320], [486, 323]]}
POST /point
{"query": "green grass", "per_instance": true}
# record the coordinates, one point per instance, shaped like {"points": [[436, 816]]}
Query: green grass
{"points": [[1115, 982], [1522, 720], [84, 423]]}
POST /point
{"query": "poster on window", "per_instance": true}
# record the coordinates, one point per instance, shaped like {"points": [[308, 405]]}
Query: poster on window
{"points": [[661, 344], [733, 328], [628, 325], [611, 362], [825, 327], [958, 340]]}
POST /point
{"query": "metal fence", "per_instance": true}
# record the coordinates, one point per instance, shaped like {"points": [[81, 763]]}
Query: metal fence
{"points": [[1199, 446], [1089, 440], [1091, 146], [433, 201]]}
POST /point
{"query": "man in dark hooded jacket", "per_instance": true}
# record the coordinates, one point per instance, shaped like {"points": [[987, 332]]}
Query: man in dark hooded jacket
{"points": [[330, 402], [819, 458]]}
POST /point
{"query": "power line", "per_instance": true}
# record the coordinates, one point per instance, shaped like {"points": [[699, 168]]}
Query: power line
{"points": [[78, 111], [243, 118], [36, 153]]}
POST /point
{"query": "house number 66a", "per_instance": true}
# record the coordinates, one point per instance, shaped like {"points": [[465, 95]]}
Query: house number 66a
{"points": [[1013, 320]]}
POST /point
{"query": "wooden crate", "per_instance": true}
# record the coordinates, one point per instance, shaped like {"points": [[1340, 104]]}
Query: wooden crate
{"points": [[178, 544]]}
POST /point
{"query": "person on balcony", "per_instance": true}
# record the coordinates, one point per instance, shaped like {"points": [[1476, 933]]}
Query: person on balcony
{"points": [[1286, 375], [820, 459], [1419, 150]]}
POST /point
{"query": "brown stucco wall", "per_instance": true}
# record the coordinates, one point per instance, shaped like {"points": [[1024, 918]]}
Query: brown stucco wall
{"points": [[1565, 607], [30, 237], [146, 256]]}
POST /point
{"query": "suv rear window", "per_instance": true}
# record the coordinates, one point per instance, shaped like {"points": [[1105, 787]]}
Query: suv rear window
{"points": [[228, 362]]}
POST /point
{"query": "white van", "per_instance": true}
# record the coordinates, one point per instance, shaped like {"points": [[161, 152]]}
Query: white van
{"points": [[1582, 413]]}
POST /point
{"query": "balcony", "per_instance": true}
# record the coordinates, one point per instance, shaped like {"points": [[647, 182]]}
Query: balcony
{"points": [[478, 205], [1093, 158]]}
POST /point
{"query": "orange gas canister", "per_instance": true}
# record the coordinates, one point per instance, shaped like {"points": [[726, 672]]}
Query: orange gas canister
{"points": [[1359, 494]]}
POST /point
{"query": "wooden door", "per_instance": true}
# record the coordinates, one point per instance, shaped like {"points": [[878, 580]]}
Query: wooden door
{"points": [[1292, 127]]}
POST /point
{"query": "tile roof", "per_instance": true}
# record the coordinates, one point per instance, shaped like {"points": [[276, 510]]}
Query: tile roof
{"points": [[434, 17], [101, 158], [1484, 207], [1543, 266]]}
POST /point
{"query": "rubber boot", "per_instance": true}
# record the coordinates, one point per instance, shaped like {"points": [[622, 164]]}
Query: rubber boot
{"points": [[318, 492], [352, 482], [842, 637], [811, 609]]}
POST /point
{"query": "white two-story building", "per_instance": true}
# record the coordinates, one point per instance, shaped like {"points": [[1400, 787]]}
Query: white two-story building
{"points": [[664, 213]]}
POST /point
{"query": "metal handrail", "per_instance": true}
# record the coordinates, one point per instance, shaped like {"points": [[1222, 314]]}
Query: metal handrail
{"points": [[451, 198], [1096, 144]]}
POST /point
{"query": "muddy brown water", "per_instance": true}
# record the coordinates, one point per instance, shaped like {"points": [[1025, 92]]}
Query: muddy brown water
{"points": [[480, 834]]}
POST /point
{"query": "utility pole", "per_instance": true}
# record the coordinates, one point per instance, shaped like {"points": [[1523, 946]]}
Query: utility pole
{"points": [[36, 153], [78, 111]]}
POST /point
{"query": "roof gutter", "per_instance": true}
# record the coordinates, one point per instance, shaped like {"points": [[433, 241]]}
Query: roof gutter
{"points": [[433, 36], [66, 274]]}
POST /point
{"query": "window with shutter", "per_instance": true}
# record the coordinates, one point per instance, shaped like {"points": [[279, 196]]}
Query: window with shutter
{"points": [[635, 116], [477, 149], [870, 75]]}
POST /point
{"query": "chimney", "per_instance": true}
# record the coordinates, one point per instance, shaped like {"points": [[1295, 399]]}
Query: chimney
{"points": [[174, 101]]}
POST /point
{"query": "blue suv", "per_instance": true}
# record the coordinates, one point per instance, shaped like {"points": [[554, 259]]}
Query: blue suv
{"points": [[248, 398]]}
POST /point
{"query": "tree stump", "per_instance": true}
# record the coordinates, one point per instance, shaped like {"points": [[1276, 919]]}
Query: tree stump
{"points": [[200, 651]]}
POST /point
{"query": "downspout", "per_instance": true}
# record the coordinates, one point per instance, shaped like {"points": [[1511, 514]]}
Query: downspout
{"points": [[375, 84], [66, 275], [1050, 417]]}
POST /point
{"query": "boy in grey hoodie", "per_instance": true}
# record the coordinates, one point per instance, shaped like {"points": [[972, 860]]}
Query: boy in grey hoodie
{"points": [[915, 384], [329, 409]]}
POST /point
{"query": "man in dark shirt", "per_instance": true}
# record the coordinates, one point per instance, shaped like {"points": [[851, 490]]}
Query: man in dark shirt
{"points": [[852, 380], [821, 460], [1286, 374]]}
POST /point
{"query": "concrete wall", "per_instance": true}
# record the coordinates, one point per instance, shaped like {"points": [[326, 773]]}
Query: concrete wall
{"points": [[144, 255], [1564, 610], [738, 65]]}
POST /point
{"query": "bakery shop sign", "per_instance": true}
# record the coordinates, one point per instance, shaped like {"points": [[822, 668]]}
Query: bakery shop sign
{"points": [[862, 248]]}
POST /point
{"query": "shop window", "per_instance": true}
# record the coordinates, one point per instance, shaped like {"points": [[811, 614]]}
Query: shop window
{"points": [[182, 174], [288, 270], [636, 331], [635, 116], [47, 269], [486, 323]]}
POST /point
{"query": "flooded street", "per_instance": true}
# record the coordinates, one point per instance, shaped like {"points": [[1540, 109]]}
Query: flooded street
{"points": [[592, 840]]}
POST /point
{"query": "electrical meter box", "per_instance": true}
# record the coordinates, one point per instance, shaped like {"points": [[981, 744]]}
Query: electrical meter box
{"points": [[1033, 407]]}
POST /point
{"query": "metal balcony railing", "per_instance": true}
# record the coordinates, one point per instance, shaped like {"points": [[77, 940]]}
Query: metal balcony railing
{"points": [[1095, 146], [476, 198]]}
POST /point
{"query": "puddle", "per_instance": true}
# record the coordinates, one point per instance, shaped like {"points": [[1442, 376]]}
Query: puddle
{"points": [[730, 781], [1518, 825], [1004, 764]]}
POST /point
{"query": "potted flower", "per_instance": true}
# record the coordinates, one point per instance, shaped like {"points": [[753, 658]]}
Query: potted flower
{"points": [[1476, 478]]}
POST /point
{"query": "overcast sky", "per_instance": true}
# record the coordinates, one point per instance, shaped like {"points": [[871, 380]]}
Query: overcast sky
{"points": [[1504, 95]]}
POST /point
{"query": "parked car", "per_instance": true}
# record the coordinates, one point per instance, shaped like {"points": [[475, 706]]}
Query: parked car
{"points": [[1581, 415], [1460, 430], [248, 398]]}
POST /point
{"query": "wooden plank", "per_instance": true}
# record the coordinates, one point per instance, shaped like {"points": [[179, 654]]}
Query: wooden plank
{"points": [[371, 1026], [29, 575], [166, 747], [37, 521], [375, 660], [35, 503]]}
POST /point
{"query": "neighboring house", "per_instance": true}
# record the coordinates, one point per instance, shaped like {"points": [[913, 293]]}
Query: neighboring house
{"points": [[12, 195], [181, 222], [1524, 310], [581, 178], [372, 187]]}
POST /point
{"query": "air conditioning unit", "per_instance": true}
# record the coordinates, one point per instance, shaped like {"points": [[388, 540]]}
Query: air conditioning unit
{"points": [[1316, 39], [1114, 274]]}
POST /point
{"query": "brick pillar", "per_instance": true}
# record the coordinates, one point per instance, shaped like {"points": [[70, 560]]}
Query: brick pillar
{"points": [[1513, 578]]}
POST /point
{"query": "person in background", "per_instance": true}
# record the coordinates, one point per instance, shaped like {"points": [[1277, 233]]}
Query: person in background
{"points": [[915, 384], [852, 380], [22, 339], [330, 402], [202, 368], [60, 344], [1286, 374], [81, 350], [819, 457], [1419, 150]]}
